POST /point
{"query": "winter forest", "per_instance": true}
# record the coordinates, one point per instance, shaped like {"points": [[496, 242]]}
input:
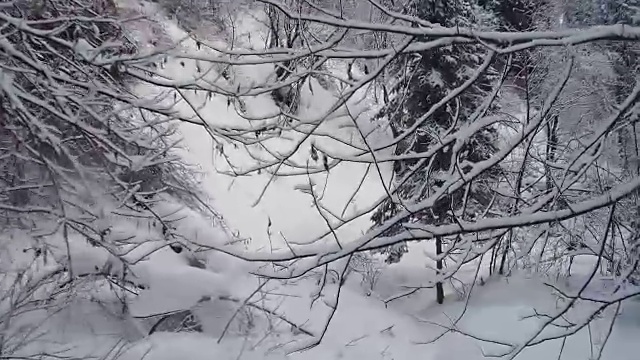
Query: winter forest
{"points": [[319, 179]]}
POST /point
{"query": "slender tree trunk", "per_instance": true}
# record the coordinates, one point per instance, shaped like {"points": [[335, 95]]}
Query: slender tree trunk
{"points": [[439, 288], [552, 143], [504, 255], [494, 256]]}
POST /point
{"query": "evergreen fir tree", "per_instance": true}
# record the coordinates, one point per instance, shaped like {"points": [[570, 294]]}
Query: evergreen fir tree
{"points": [[429, 78]]}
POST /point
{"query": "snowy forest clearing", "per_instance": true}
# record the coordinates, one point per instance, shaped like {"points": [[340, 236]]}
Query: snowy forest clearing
{"points": [[318, 194]]}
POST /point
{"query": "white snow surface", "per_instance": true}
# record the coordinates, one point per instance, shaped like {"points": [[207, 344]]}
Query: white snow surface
{"points": [[291, 212], [364, 327]]}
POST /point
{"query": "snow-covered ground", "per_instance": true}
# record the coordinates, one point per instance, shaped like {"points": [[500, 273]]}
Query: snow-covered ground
{"points": [[363, 327], [289, 211]]}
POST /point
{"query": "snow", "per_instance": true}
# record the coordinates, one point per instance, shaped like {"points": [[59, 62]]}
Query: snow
{"points": [[168, 290], [294, 219], [363, 326]]}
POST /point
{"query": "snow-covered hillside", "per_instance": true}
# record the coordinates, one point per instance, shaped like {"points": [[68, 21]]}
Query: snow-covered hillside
{"points": [[245, 316], [362, 326], [284, 210]]}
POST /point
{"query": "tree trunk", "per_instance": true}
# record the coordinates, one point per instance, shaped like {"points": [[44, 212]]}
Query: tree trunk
{"points": [[504, 258], [552, 143], [439, 288]]}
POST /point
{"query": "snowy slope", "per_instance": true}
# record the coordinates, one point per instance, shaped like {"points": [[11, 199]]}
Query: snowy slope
{"points": [[363, 327], [290, 211]]}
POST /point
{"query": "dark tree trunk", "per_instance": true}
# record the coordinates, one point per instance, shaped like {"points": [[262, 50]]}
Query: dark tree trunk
{"points": [[439, 288], [504, 255]]}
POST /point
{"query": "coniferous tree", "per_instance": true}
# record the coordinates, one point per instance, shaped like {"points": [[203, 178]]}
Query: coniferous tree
{"points": [[427, 79], [516, 15]]}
